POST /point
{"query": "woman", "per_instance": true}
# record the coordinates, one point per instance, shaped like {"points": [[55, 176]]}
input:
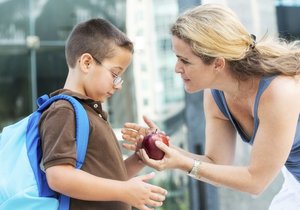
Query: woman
{"points": [[251, 88]]}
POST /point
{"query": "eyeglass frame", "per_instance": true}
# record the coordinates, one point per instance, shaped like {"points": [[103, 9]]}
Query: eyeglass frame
{"points": [[117, 79]]}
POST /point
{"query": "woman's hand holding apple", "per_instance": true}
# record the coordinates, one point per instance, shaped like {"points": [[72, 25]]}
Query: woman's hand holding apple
{"points": [[170, 160], [134, 134], [148, 144]]}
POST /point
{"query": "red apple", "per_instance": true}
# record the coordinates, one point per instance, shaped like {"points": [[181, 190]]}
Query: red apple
{"points": [[151, 149]]}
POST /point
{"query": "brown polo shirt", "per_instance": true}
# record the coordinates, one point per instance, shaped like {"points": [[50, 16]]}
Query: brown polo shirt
{"points": [[103, 157]]}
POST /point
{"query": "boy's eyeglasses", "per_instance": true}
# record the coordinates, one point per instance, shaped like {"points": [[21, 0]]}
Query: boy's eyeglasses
{"points": [[117, 79]]}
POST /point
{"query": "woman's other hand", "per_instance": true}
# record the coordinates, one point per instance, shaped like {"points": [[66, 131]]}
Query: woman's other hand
{"points": [[133, 133]]}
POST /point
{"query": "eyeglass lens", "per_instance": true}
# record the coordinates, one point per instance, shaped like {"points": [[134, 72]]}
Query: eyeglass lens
{"points": [[117, 79]]}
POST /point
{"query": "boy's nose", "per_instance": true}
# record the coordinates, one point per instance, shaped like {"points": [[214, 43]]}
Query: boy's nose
{"points": [[118, 86]]}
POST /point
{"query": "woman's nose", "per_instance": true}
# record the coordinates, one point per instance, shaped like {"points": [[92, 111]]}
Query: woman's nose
{"points": [[178, 68]]}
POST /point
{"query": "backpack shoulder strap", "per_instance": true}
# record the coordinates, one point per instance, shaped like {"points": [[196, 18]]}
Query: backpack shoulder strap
{"points": [[82, 122], [34, 151], [82, 133]]}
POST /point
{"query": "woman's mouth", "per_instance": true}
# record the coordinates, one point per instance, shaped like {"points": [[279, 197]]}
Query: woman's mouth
{"points": [[185, 79]]}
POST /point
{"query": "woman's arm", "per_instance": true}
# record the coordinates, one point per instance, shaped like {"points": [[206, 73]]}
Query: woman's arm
{"points": [[278, 113], [219, 148], [220, 135]]}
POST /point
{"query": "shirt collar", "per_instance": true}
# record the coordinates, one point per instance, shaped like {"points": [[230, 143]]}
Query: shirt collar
{"points": [[95, 105]]}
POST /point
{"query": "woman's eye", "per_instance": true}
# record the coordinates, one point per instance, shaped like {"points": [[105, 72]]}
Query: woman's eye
{"points": [[184, 61]]}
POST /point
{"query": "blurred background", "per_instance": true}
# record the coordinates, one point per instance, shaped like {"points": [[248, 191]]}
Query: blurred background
{"points": [[32, 63]]}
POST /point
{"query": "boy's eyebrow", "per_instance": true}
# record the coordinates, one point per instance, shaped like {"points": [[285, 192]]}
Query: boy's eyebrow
{"points": [[119, 69]]}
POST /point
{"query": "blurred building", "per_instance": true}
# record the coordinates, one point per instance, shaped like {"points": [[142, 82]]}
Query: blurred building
{"points": [[158, 89], [32, 38], [32, 63], [288, 13]]}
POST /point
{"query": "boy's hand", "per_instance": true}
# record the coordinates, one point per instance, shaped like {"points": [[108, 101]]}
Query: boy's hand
{"points": [[133, 133], [143, 195]]}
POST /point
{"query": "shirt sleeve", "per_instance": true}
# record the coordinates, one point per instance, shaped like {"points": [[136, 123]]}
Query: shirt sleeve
{"points": [[57, 132]]}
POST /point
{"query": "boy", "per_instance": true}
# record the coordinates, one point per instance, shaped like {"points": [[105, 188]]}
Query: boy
{"points": [[97, 53]]}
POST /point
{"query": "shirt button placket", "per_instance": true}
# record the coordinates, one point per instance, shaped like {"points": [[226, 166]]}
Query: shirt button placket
{"points": [[95, 107]]}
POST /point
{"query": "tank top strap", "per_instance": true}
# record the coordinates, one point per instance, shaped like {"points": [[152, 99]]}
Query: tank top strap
{"points": [[223, 107], [220, 101], [263, 84]]}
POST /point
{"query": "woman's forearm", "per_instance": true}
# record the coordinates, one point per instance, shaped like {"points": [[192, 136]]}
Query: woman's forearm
{"points": [[234, 177], [192, 155]]}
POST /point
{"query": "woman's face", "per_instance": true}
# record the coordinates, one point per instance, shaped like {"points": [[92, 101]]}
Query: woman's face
{"points": [[195, 74]]}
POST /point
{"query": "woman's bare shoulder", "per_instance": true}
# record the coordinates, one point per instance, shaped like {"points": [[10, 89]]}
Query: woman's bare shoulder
{"points": [[210, 106], [284, 91]]}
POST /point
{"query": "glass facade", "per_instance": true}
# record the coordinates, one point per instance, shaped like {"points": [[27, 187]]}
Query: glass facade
{"points": [[287, 2], [32, 37], [288, 14], [32, 63], [170, 95]]}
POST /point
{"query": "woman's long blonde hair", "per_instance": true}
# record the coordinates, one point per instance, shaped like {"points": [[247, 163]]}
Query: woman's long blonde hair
{"points": [[214, 31]]}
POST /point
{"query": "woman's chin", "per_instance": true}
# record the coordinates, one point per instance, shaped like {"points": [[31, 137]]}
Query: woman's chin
{"points": [[190, 89]]}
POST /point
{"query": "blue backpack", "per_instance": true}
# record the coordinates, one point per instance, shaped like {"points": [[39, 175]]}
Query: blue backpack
{"points": [[23, 185]]}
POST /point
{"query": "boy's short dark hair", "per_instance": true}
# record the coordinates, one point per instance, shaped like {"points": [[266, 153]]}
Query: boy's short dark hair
{"points": [[97, 37]]}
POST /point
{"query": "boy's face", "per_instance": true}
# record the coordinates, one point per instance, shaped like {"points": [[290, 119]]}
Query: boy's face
{"points": [[102, 80]]}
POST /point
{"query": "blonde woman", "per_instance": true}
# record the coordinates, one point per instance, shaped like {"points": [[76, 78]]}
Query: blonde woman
{"points": [[252, 88]]}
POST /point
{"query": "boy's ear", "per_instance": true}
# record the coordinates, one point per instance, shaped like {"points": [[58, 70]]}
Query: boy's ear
{"points": [[85, 61], [219, 63]]}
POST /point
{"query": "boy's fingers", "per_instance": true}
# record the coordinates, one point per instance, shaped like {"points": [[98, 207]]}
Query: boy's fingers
{"points": [[154, 203], [139, 142], [147, 177], [134, 129], [129, 132], [160, 192], [128, 138], [129, 146], [146, 208], [132, 126]]}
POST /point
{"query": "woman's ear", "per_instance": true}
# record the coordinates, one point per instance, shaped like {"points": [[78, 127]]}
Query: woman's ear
{"points": [[219, 63], [85, 62]]}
